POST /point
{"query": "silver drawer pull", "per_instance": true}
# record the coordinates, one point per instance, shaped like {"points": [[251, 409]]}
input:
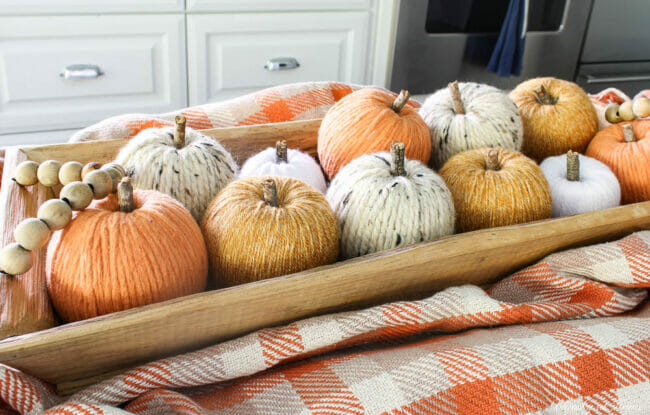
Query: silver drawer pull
{"points": [[81, 72], [592, 79], [280, 64]]}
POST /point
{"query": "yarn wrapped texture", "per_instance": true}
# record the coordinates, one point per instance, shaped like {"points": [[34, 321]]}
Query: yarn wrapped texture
{"points": [[554, 129], [515, 193], [299, 165], [630, 162], [249, 240], [364, 123], [192, 175], [106, 260], [596, 189], [491, 119], [376, 210]]}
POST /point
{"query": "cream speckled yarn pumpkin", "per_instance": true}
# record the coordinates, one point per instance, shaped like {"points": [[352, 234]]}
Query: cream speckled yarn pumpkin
{"points": [[281, 161], [192, 172], [378, 206], [467, 116]]}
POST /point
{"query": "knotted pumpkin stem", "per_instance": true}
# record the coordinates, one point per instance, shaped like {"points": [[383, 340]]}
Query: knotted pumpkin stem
{"points": [[459, 108], [270, 192], [397, 164], [572, 166], [125, 195], [628, 133], [400, 101], [281, 152], [492, 159], [543, 97], [179, 133]]}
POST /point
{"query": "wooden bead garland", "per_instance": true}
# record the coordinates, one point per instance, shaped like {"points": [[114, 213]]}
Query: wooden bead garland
{"points": [[281, 161], [367, 121], [187, 165], [580, 184], [264, 226], [382, 201], [54, 214], [496, 187], [558, 116], [469, 115]]}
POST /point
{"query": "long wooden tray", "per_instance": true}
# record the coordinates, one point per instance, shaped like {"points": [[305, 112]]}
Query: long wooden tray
{"points": [[77, 354]]}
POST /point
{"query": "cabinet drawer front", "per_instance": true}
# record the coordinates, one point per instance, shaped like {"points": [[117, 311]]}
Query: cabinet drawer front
{"points": [[228, 53], [274, 5], [13, 7], [116, 64], [628, 77]]}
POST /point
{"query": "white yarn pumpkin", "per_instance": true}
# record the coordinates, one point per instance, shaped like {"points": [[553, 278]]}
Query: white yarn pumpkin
{"points": [[299, 165], [192, 174], [597, 187], [378, 210], [466, 116]]}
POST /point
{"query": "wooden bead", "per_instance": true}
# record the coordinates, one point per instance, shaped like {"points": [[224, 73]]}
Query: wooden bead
{"points": [[26, 173], [77, 194], [32, 233], [48, 173], [92, 166], [116, 172], [15, 260], [70, 172], [55, 213], [101, 183]]}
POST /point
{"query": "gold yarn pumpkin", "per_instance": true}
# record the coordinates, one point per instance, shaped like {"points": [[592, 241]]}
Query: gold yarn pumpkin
{"points": [[515, 191], [249, 239]]}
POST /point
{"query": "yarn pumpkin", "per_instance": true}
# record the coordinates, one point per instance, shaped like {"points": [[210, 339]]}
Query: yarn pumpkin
{"points": [[558, 116], [625, 148], [466, 116], [187, 165], [382, 201], [496, 187], [125, 251], [580, 184], [264, 226], [369, 121], [280, 161]]}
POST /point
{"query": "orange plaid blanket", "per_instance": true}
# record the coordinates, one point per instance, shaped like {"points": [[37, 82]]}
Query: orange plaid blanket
{"points": [[566, 354]]}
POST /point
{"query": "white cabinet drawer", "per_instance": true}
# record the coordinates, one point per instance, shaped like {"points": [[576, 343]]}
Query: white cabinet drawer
{"points": [[274, 5], [12, 7], [227, 52], [140, 58]]}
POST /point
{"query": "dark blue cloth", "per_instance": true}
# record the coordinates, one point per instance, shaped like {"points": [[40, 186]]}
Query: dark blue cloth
{"points": [[508, 53]]}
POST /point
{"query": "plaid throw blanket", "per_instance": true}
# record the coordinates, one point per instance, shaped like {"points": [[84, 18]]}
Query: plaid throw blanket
{"points": [[558, 350]]}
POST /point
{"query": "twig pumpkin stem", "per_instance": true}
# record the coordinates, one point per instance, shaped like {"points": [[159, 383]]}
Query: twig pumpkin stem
{"points": [[492, 159], [628, 133], [125, 195], [400, 101], [281, 151], [543, 97], [459, 108], [572, 166], [179, 133], [270, 192], [397, 163]]}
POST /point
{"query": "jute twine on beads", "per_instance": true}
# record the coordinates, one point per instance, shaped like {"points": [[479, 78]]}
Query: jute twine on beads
{"points": [[496, 187], [192, 174], [249, 238]]}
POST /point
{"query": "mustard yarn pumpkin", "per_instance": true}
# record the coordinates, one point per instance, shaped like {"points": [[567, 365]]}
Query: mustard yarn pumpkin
{"points": [[264, 226], [496, 187], [558, 116], [468, 115], [191, 168], [380, 205]]}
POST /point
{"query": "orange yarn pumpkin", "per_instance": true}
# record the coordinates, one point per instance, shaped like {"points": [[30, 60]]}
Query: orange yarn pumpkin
{"points": [[106, 260], [558, 116], [250, 237], [369, 121], [630, 161], [496, 187]]}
